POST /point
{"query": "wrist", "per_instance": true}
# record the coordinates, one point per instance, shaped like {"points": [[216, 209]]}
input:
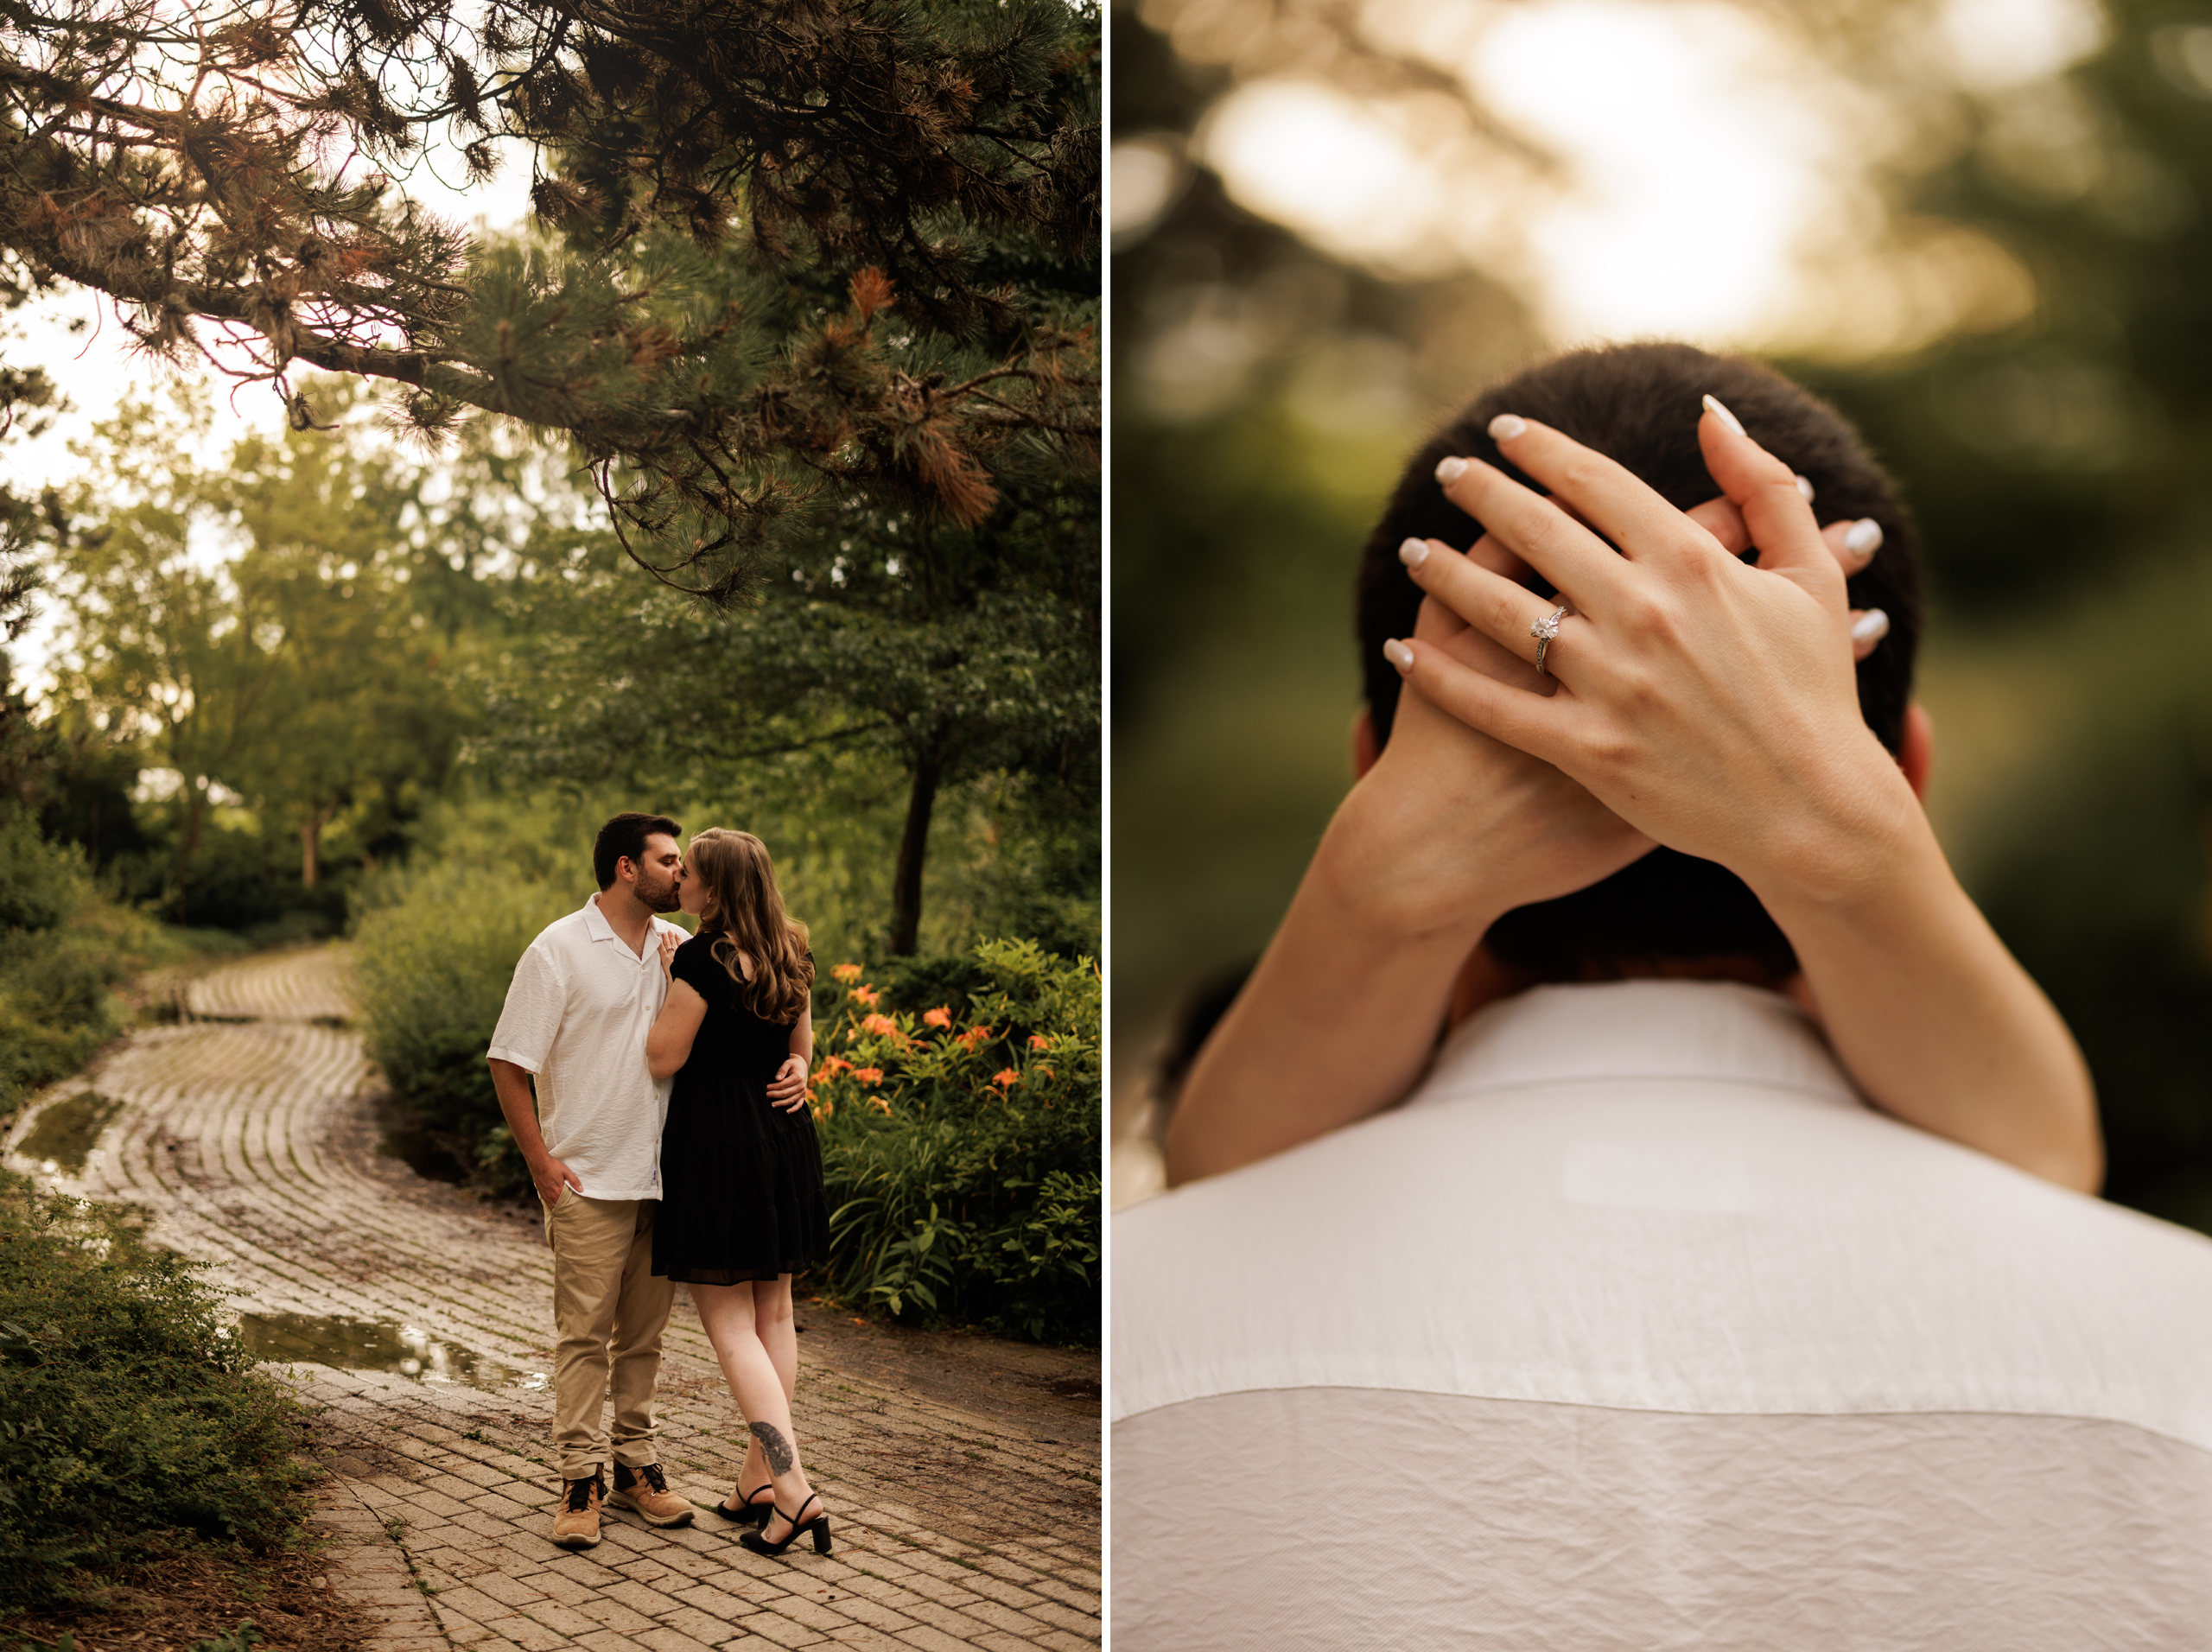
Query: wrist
{"points": [[1394, 876], [1865, 840]]}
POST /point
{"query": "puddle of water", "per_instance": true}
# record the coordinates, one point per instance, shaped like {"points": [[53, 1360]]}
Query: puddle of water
{"points": [[376, 1345], [63, 1137]]}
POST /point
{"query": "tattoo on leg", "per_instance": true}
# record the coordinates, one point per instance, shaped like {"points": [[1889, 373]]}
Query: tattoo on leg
{"points": [[773, 1446]]}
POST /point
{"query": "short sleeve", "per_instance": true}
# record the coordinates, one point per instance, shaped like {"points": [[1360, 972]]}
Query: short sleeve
{"points": [[531, 1017], [696, 967]]}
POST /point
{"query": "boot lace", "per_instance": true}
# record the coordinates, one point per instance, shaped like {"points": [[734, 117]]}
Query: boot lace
{"points": [[580, 1493]]}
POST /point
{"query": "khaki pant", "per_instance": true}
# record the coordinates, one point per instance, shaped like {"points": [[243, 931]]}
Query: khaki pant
{"points": [[608, 1313]]}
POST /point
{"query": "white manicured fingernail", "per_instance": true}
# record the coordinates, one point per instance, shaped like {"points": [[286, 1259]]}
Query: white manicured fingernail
{"points": [[1870, 627], [1414, 552], [1399, 655], [1864, 538], [1449, 471], [1714, 406], [1805, 486], [1506, 426]]}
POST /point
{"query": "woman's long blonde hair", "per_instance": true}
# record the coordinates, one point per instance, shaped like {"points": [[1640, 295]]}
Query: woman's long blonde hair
{"points": [[744, 911]]}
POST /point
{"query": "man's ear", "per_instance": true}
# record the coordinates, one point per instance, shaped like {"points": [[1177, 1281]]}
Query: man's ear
{"points": [[1365, 749], [1917, 755]]}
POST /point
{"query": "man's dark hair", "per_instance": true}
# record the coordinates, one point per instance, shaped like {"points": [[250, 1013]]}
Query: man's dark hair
{"points": [[623, 837], [1638, 404]]}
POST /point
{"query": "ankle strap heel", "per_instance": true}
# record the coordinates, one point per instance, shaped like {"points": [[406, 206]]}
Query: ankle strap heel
{"points": [[818, 1528]]}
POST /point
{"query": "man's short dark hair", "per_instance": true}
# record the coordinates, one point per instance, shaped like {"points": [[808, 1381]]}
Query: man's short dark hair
{"points": [[1638, 404], [623, 837]]}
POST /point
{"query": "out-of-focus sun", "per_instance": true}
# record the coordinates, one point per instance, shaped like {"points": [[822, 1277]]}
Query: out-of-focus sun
{"points": [[1714, 179]]}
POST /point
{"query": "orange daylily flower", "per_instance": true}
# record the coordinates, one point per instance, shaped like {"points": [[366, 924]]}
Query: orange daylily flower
{"points": [[938, 1017], [847, 972]]}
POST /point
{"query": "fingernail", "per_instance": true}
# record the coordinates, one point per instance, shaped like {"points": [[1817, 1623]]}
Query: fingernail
{"points": [[1449, 471], [1399, 655], [1506, 426], [1805, 486], [1414, 552], [1713, 405], [1870, 627], [1864, 538]]}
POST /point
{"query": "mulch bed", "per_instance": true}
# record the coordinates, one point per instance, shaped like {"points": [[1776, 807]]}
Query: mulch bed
{"points": [[186, 1593]]}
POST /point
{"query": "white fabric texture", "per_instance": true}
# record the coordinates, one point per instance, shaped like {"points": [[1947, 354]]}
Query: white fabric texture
{"points": [[1344, 1518], [1661, 1198], [577, 1015]]}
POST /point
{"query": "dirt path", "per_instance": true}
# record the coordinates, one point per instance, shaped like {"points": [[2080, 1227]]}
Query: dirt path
{"points": [[963, 1474]]}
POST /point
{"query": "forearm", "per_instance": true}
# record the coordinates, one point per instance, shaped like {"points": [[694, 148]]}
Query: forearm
{"points": [[1336, 1022], [519, 1108], [1931, 1015]]}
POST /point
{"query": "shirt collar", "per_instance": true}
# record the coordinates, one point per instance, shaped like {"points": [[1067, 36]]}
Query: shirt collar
{"points": [[1716, 1031], [599, 928]]}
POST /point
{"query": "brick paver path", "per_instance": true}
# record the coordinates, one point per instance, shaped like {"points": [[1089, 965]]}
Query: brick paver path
{"points": [[962, 1475]]}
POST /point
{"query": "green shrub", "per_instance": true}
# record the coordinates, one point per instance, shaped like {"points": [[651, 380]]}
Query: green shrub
{"points": [[433, 964], [128, 1412], [63, 948], [961, 1145]]}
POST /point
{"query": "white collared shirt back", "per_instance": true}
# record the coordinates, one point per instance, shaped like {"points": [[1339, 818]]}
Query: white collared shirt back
{"points": [[1636, 1327]]}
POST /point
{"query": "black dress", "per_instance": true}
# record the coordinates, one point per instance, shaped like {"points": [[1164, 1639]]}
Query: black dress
{"points": [[741, 1194]]}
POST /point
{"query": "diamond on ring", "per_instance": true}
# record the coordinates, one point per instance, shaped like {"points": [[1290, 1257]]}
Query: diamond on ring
{"points": [[1544, 631]]}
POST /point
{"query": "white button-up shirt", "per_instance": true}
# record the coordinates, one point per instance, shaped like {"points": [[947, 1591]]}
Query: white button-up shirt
{"points": [[1635, 1328], [577, 1015]]}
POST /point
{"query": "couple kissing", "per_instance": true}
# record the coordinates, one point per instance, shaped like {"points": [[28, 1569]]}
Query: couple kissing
{"points": [[670, 1143]]}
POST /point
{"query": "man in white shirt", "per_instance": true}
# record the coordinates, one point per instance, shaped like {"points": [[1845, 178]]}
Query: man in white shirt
{"points": [[583, 1001], [1636, 1325]]}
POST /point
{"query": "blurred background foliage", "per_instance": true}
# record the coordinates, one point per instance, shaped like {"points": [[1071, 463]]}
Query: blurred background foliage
{"points": [[1981, 227]]}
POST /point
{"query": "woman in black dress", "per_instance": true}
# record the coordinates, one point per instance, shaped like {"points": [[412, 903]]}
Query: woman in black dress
{"points": [[742, 1205]]}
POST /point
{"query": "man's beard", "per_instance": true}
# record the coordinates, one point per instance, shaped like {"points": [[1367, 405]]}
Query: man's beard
{"points": [[664, 897]]}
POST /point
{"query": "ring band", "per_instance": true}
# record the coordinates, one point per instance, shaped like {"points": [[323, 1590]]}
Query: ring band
{"points": [[1544, 631]]}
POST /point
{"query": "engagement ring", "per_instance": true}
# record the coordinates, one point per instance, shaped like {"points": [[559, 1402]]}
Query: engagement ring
{"points": [[1543, 631]]}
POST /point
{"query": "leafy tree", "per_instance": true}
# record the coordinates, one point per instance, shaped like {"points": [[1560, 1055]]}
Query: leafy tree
{"points": [[955, 652], [296, 675], [24, 524], [748, 193]]}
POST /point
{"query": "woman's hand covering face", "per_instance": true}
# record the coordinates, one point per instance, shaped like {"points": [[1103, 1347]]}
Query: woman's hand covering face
{"points": [[1709, 703]]}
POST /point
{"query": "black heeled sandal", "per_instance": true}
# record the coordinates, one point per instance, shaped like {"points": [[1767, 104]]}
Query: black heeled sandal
{"points": [[759, 1543], [749, 1513]]}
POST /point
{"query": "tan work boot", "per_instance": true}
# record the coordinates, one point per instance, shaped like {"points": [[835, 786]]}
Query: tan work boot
{"points": [[576, 1523], [645, 1489]]}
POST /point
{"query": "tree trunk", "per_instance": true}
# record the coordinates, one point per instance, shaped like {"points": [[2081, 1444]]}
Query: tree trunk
{"points": [[196, 807], [913, 846], [310, 848]]}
